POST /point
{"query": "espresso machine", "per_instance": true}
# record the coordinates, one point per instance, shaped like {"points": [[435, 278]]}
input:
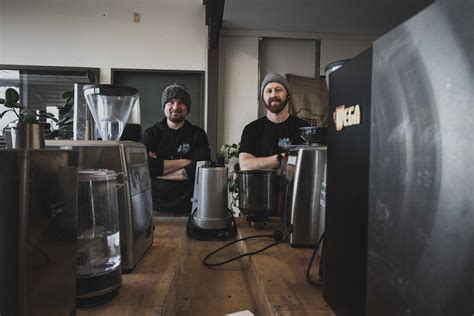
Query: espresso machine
{"points": [[38, 227], [304, 181], [399, 235], [110, 107]]}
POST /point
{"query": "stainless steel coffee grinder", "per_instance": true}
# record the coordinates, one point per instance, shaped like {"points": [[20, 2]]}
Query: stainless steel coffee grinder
{"points": [[210, 216], [304, 176]]}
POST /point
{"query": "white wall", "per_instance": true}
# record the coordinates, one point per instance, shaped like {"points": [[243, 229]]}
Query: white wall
{"points": [[100, 33], [238, 86], [337, 49], [286, 56], [239, 72]]}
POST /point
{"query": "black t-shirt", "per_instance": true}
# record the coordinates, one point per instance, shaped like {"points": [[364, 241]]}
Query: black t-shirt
{"points": [[263, 138], [188, 142]]}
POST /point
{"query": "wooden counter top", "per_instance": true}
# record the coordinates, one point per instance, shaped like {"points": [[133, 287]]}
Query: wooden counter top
{"points": [[171, 280]]}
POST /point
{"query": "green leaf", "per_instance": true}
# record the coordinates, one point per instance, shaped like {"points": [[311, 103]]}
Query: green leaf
{"points": [[52, 117], [4, 112], [65, 109], [70, 101], [68, 94], [91, 75], [54, 134], [11, 96]]}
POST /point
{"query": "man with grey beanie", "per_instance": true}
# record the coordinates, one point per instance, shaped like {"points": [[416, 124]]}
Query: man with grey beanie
{"points": [[174, 146], [262, 141]]}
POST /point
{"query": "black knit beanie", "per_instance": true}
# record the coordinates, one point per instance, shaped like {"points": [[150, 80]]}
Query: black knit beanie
{"points": [[176, 91], [274, 77]]}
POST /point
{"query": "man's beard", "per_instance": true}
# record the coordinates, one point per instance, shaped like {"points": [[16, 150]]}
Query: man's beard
{"points": [[276, 108], [176, 119]]}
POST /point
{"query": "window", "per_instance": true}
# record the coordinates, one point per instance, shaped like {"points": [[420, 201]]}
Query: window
{"points": [[40, 87]]}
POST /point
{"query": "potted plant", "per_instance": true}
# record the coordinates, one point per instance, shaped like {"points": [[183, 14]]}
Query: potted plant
{"points": [[66, 113], [229, 154], [27, 132]]}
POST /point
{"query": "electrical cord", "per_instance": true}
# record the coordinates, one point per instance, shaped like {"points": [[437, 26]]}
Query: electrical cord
{"points": [[277, 236], [308, 271], [198, 233]]}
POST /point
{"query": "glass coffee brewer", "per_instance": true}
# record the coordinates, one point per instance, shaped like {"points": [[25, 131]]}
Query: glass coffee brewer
{"points": [[110, 106], [99, 274]]}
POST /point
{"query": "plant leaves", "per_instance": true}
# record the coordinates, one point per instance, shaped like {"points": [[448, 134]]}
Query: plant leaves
{"points": [[52, 117], [4, 112], [11, 96], [54, 134], [65, 109], [68, 94], [91, 75], [70, 101]]}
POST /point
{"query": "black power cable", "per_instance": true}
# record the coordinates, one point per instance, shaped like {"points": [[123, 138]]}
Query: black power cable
{"points": [[308, 271], [277, 236]]}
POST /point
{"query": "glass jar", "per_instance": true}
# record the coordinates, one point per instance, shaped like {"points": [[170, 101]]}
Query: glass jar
{"points": [[98, 223]]}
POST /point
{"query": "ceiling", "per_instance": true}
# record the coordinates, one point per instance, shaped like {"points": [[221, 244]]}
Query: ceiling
{"points": [[320, 16]]}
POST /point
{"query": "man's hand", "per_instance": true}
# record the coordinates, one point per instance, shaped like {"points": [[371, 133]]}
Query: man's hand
{"points": [[151, 154]]}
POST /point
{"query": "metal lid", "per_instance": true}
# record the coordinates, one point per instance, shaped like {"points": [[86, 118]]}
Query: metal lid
{"points": [[335, 64], [96, 175], [314, 134], [213, 164], [110, 90], [256, 172]]}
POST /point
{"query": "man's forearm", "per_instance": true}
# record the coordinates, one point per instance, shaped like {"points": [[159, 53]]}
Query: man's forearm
{"points": [[250, 162], [177, 175], [170, 166]]}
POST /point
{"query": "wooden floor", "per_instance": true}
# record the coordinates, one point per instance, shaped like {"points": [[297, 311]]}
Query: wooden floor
{"points": [[171, 280]]}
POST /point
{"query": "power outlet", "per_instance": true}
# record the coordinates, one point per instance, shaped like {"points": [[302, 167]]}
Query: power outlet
{"points": [[136, 17]]}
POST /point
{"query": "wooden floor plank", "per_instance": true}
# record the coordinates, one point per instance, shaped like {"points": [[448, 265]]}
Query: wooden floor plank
{"points": [[171, 279]]}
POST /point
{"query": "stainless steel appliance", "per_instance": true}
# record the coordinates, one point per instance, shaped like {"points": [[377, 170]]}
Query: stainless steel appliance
{"points": [[210, 217], [129, 160], [303, 179], [399, 197], [98, 255], [38, 221]]}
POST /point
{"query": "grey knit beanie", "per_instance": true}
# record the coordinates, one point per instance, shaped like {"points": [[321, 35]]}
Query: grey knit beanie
{"points": [[176, 91], [274, 77]]}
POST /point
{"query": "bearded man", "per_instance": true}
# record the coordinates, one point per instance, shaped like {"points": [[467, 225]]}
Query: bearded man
{"points": [[263, 140], [174, 146]]}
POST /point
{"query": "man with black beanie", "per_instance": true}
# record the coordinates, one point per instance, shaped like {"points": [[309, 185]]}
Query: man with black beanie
{"points": [[262, 141], [174, 146]]}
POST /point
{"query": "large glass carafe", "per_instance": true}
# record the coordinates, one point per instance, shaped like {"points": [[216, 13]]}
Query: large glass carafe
{"points": [[98, 223], [110, 106]]}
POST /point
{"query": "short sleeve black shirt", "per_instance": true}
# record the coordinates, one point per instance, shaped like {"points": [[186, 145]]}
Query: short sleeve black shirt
{"points": [[263, 138]]}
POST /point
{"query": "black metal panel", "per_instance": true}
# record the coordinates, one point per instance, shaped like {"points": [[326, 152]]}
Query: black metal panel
{"points": [[421, 218], [8, 234], [347, 190]]}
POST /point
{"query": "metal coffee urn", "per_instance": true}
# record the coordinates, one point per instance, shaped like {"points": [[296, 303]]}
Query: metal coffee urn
{"points": [[38, 220]]}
